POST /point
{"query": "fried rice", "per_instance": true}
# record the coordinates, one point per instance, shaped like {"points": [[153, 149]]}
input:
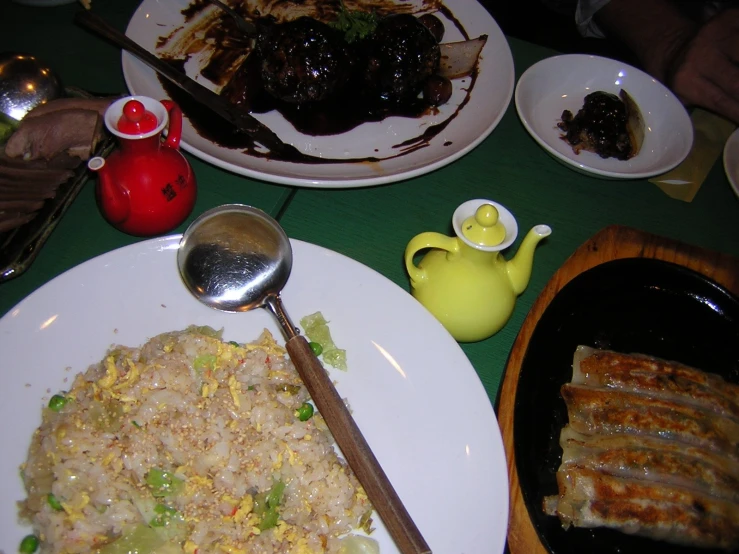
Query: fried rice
{"points": [[189, 444]]}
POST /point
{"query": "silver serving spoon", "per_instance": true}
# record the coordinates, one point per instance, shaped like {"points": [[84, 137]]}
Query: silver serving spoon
{"points": [[235, 258], [25, 82]]}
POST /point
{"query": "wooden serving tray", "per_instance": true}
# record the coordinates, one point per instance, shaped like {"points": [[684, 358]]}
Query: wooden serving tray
{"points": [[611, 243]]}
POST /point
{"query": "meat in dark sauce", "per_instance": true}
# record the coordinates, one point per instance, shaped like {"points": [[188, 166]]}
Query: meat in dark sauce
{"points": [[326, 100], [303, 61], [397, 60], [326, 86]]}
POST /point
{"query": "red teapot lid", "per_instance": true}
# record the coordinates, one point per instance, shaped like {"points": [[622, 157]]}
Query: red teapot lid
{"points": [[136, 119]]}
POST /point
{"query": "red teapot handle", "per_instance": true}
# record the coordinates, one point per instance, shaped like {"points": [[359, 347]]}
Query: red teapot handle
{"points": [[174, 134]]}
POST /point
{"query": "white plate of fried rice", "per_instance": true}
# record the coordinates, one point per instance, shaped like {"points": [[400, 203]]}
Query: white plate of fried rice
{"points": [[193, 434]]}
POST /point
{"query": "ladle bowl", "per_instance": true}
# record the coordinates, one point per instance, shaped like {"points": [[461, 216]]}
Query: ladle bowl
{"points": [[233, 257], [25, 82], [236, 258]]}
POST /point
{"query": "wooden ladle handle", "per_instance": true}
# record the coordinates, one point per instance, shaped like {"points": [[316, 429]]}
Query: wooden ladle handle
{"points": [[355, 448]]}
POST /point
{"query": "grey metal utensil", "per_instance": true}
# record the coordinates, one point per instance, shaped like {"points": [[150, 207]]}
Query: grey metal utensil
{"points": [[236, 258], [25, 82], [237, 116]]}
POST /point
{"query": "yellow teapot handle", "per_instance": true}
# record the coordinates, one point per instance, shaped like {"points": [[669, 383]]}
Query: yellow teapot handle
{"points": [[426, 240]]}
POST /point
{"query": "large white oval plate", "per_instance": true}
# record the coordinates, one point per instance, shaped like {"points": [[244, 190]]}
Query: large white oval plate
{"points": [[560, 83], [413, 392], [487, 103]]}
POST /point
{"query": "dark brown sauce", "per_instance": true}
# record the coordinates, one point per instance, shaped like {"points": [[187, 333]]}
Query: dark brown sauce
{"points": [[216, 129], [194, 9], [339, 116], [456, 22]]}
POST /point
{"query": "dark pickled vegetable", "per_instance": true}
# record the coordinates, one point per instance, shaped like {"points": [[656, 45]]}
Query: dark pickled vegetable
{"points": [[600, 126], [106, 415], [288, 388]]}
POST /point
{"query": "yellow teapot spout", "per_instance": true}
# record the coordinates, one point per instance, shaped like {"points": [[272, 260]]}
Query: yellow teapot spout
{"points": [[520, 266]]}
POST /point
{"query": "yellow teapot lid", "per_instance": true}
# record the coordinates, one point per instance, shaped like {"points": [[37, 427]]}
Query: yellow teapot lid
{"points": [[485, 225], [484, 228]]}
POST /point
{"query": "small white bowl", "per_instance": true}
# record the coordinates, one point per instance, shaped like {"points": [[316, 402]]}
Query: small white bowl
{"points": [[731, 160], [561, 83]]}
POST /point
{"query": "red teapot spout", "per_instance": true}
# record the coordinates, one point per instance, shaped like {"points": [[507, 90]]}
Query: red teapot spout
{"points": [[112, 198]]}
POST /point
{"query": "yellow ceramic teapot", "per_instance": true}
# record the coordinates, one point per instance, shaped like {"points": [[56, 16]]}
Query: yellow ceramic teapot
{"points": [[465, 281]]}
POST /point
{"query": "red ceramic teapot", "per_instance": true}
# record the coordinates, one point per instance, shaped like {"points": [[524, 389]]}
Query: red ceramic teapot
{"points": [[145, 187]]}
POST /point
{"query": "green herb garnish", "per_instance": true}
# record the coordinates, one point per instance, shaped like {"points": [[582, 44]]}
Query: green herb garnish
{"points": [[355, 24]]}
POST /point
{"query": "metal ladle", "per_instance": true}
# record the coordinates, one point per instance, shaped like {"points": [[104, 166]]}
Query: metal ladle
{"points": [[25, 82], [236, 258]]}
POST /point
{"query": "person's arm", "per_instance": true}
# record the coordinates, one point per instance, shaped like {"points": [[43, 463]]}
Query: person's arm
{"points": [[699, 63], [653, 29]]}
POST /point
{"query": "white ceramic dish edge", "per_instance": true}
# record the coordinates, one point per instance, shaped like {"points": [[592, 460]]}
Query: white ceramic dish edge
{"points": [[731, 160]]}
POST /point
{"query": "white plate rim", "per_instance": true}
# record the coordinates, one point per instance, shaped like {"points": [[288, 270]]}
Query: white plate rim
{"points": [[574, 163], [731, 160], [496, 56], [483, 462]]}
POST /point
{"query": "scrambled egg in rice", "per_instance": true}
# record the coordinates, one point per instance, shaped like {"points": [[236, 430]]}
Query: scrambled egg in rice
{"points": [[192, 445]]}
